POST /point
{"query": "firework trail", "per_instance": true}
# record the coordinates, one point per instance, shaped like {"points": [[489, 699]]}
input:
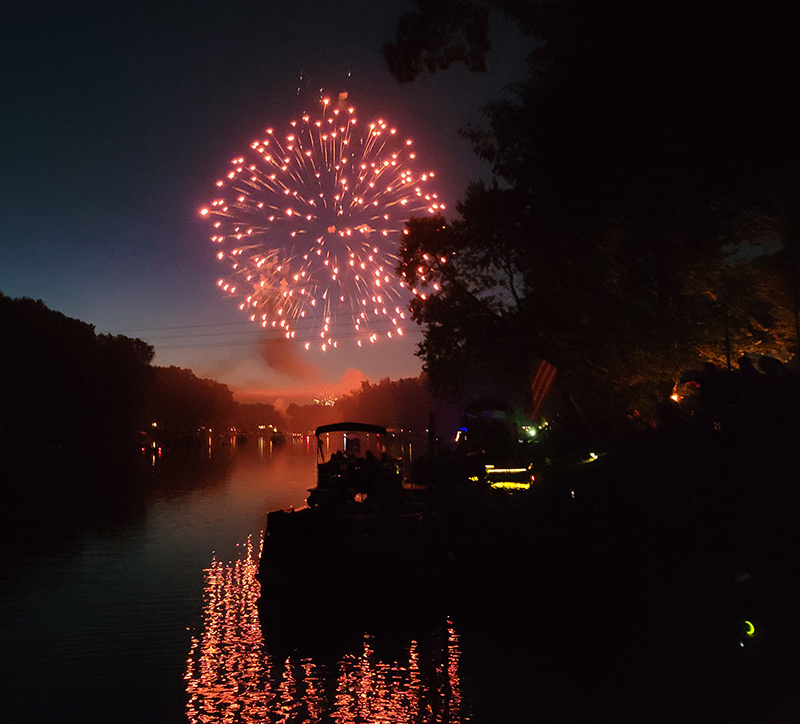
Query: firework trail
{"points": [[309, 221]]}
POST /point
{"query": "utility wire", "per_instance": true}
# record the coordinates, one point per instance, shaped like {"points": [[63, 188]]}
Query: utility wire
{"points": [[180, 326], [270, 335], [299, 325], [303, 327]]}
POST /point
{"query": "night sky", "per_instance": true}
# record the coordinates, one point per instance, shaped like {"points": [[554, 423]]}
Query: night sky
{"points": [[117, 119]]}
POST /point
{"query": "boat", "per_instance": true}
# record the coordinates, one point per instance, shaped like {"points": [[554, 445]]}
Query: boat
{"points": [[364, 475], [361, 516], [278, 438], [361, 555]]}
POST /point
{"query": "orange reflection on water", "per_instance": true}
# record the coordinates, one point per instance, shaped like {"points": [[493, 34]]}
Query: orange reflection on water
{"points": [[231, 676], [226, 665], [427, 690]]}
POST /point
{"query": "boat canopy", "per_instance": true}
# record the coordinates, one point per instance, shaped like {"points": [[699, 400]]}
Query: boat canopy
{"points": [[350, 427]]}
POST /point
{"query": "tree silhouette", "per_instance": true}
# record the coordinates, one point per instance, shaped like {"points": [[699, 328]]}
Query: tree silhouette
{"points": [[629, 168]]}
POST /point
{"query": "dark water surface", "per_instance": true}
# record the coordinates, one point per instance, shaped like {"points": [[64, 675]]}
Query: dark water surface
{"points": [[140, 605], [97, 626], [146, 612]]}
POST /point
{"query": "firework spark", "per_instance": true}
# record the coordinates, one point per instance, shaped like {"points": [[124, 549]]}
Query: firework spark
{"points": [[325, 399], [308, 221]]}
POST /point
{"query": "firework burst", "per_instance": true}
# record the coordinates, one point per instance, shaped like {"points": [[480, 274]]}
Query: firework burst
{"points": [[308, 221]]}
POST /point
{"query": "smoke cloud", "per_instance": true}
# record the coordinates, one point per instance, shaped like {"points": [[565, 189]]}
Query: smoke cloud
{"points": [[282, 356], [302, 392]]}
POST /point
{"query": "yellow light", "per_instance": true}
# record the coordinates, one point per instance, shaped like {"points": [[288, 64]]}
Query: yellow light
{"points": [[493, 469], [509, 485], [749, 628]]}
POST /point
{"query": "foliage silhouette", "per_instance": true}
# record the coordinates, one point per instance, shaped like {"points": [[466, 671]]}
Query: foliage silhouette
{"points": [[644, 173]]}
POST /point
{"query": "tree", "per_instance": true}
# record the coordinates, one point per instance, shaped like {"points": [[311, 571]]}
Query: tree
{"points": [[254, 415], [467, 298], [399, 404], [628, 167], [62, 385], [180, 403], [306, 418], [462, 25]]}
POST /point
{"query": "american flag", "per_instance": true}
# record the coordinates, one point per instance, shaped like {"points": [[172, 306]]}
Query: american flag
{"points": [[542, 382]]}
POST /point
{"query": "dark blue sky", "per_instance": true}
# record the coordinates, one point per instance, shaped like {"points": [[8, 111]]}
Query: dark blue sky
{"points": [[116, 120]]}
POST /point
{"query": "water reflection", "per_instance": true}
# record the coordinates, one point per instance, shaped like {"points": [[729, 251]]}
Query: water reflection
{"points": [[232, 676]]}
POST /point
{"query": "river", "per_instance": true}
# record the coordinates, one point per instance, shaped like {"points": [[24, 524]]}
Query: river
{"points": [[140, 607], [148, 613]]}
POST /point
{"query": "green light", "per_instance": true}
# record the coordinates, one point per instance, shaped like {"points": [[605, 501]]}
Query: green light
{"points": [[749, 629]]}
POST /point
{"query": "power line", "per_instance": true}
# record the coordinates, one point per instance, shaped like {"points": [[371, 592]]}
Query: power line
{"points": [[205, 334], [180, 326], [210, 344], [269, 334], [261, 333], [298, 325]]}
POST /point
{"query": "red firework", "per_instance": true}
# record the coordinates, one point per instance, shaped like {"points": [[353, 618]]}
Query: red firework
{"points": [[309, 222]]}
